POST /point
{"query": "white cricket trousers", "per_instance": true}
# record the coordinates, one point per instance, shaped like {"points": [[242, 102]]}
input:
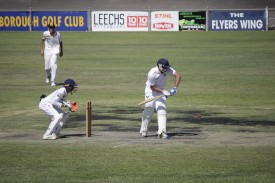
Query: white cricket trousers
{"points": [[51, 65], [149, 110], [54, 113]]}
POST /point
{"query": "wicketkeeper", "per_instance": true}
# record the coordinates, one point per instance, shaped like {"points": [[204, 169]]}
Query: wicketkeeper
{"points": [[51, 106], [154, 87]]}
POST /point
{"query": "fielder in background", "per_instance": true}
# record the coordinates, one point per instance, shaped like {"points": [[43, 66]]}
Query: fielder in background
{"points": [[51, 106], [53, 47], [154, 87]]}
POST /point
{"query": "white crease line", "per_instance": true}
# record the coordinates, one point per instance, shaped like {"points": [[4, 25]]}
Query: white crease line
{"points": [[124, 144]]}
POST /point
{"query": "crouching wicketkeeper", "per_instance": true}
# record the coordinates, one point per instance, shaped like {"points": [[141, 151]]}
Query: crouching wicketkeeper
{"points": [[51, 106]]}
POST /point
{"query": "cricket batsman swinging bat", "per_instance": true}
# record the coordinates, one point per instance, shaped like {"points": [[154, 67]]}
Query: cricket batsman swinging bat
{"points": [[150, 99]]}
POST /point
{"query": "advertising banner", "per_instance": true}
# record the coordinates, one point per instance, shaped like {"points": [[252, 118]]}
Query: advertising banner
{"points": [[14, 21], [192, 21], [165, 21], [119, 21], [237, 20], [64, 21]]}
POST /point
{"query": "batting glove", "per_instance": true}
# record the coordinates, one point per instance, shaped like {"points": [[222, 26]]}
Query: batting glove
{"points": [[166, 93], [173, 91]]}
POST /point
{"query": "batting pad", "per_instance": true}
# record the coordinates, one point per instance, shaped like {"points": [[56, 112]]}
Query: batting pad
{"points": [[161, 121], [146, 119]]}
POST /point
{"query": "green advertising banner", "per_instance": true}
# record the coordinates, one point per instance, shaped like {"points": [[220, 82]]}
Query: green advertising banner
{"points": [[194, 21]]}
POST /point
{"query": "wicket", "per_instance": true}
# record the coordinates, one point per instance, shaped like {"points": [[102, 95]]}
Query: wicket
{"points": [[88, 119]]}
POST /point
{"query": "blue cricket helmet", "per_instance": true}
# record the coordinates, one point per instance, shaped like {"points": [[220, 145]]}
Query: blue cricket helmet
{"points": [[69, 82], [163, 64], [70, 85]]}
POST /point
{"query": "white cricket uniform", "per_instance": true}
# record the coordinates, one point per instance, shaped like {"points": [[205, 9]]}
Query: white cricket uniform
{"points": [[157, 79], [51, 51], [51, 106]]}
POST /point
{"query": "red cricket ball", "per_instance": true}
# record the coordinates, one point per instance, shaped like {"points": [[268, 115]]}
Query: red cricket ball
{"points": [[199, 115]]}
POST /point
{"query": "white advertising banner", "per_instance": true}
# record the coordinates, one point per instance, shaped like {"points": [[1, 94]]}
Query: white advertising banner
{"points": [[165, 21], [119, 21]]}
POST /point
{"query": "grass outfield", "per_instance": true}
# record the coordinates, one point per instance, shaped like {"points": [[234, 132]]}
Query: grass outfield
{"points": [[227, 77]]}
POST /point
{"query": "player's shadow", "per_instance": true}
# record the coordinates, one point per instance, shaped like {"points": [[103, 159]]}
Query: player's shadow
{"points": [[59, 84], [176, 135], [74, 135], [182, 134]]}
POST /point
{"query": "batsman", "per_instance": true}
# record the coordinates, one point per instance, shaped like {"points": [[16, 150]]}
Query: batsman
{"points": [[155, 86]]}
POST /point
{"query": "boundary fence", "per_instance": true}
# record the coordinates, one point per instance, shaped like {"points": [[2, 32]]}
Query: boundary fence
{"points": [[141, 20]]}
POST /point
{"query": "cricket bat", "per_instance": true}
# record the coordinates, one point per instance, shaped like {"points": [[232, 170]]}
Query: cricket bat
{"points": [[150, 99]]}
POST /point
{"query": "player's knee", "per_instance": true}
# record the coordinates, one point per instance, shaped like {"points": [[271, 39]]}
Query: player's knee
{"points": [[161, 107], [66, 116], [148, 111], [54, 67]]}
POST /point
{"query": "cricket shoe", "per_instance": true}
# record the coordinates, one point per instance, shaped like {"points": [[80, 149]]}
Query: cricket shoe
{"points": [[49, 137], [47, 80], [144, 134], [163, 135], [53, 84]]}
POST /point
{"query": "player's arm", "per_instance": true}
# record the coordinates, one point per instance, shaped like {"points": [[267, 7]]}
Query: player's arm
{"points": [[41, 47], [160, 90], [177, 76], [155, 89], [177, 79], [61, 49], [152, 80]]}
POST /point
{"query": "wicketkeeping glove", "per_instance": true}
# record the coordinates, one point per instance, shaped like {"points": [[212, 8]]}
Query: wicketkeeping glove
{"points": [[173, 91], [73, 107]]}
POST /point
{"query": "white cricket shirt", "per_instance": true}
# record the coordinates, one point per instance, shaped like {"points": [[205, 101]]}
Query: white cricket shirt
{"points": [[52, 43], [158, 79], [57, 97]]}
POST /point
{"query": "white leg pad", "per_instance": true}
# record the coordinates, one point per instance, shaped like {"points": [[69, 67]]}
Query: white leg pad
{"points": [[54, 123], [162, 118], [61, 123], [146, 119]]}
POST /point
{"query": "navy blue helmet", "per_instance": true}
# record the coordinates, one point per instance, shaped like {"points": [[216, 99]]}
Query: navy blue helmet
{"points": [[163, 65], [70, 85]]}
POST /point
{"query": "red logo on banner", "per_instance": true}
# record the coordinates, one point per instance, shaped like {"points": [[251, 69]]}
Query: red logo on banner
{"points": [[143, 21], [137, 21], [163, 25], [163, 16]]}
